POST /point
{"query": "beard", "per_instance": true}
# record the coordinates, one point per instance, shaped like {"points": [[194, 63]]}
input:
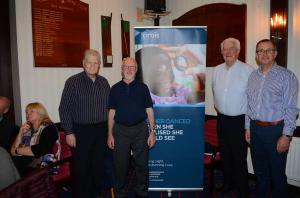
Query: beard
{"points": [[129, 78]]}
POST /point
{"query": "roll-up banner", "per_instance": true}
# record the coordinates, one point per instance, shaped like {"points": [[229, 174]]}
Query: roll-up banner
{"points": [[172, 62]]}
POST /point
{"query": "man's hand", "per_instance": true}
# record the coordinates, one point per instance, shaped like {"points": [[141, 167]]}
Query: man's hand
{"points": [[283, 144], [111, 142], [151, 140], [247, 136], [71, 140]]}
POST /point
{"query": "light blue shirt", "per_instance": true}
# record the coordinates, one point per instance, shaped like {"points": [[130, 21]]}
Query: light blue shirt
{"points": [[229, 88], [273, 97]]}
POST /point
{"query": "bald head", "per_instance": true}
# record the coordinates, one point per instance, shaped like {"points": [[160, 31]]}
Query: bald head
{"points": [[4, 105], [128, 60]]}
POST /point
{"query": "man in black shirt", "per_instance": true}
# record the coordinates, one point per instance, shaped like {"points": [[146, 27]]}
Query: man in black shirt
{"points": [[130, 105], [83, 114], [8, 130]]}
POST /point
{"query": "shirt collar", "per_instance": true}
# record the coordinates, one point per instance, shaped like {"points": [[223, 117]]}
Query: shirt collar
{"points": [[131, 83], [272, 70], [234, 65], [87, 77]]}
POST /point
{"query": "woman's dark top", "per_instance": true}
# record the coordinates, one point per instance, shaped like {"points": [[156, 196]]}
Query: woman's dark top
{"points": [[48, 137]]}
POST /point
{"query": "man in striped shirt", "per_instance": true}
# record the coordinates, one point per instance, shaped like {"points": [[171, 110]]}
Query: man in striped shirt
{"points": [[83, 113], [272, 95]]}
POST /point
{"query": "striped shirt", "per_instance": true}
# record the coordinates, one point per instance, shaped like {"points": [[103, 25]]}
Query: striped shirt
{"points": [[83, 101], [273, 97]]}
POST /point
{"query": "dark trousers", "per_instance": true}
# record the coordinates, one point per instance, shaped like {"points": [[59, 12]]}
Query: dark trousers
{"points": [[233, 150], [88, 157], [268, 164], [126, 139]]}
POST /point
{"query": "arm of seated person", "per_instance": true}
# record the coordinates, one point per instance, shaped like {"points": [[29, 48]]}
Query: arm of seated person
{"points": [[47, 140], [23, 150], [18, 140], [48, 137]]}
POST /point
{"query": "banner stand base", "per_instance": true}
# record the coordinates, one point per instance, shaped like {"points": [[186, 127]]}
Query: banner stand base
{"points": [[169, 193], [175, 190]]}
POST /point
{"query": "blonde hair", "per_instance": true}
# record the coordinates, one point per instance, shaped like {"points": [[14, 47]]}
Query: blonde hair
{"points": [[91, 52], [41, 110]]}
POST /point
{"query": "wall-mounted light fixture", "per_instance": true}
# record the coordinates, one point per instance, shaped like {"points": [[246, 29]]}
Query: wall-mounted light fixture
{"points": [[279, 28], [278, 22]]}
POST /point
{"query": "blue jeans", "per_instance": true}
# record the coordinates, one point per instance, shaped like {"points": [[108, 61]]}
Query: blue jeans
{"points": [[269, 165]]}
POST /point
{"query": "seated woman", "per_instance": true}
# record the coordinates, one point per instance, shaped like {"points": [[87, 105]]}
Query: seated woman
{"points": [[33, 146]]}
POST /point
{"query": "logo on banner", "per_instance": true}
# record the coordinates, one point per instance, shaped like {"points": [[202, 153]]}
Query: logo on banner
{"points": [[150, 35]]}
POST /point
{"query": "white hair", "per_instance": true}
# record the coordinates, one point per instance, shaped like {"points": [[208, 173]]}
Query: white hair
{"points": [[234, 41]]}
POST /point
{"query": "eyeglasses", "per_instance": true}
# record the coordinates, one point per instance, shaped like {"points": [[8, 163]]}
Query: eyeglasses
{"points": [[92, 63], [129, 67], [267, 51], [231, 49]]}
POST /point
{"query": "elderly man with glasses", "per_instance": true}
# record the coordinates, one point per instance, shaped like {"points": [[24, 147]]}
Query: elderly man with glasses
{"points": [[129, 106]]}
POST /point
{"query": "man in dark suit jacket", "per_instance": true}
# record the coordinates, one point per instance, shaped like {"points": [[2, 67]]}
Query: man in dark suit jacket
{"points": [[8, 130]]}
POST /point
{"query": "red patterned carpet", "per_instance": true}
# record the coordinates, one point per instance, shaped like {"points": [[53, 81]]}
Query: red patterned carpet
{"points": [[294, 191]]}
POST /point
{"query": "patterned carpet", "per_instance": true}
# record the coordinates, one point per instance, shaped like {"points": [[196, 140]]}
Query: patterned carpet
{"points": [[294, 191]]}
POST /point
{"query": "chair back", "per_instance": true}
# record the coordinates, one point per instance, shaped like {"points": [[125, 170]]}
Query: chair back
{"points": [[35, 185], [211, 136], [64, 168]]}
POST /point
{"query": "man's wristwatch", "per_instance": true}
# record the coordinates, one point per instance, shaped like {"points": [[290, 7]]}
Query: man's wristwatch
{"points": [[152, 131], [288, 136]]}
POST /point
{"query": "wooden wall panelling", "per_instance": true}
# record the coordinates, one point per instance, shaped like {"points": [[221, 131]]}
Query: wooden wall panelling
{"points": [[6, 87], [222, 20]]}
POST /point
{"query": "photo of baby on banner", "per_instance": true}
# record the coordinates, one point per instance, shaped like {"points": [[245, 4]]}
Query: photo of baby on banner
{"points": [[174, 74]]}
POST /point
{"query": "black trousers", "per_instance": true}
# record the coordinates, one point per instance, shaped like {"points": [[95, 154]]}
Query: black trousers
{"points": [[233, 149], [88, 157], [126, 139]]}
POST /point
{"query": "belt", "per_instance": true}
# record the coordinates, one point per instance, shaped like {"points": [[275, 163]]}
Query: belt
{"points": [[263, 123], [90, 124], [236, 116], [129, 125]]}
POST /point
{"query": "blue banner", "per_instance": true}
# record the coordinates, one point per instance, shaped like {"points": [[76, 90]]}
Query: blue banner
{"points": [[172, 63], [176, 161]]}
